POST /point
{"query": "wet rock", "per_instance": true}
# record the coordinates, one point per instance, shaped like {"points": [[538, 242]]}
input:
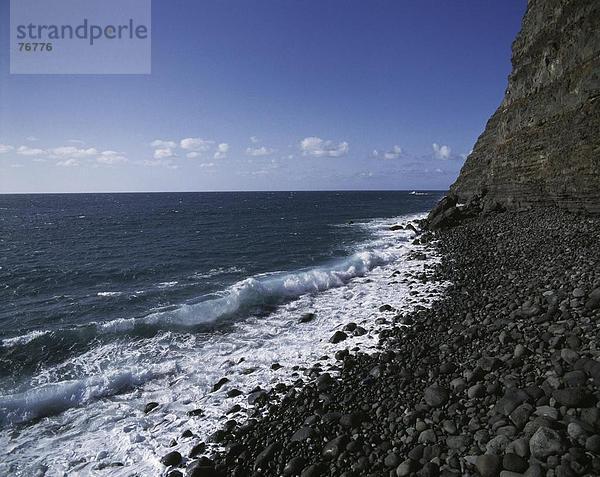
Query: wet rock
{"points": [[306, 317], [257, 397], [314, 470], [265, 456], [219, 384], [294, 466], [302, 434], [334, 447], [337, 337], [203, 467], [197, 450], [150, 407], [171, 459]]}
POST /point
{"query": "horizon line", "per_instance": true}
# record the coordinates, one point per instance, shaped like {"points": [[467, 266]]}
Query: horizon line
{"points": [[221, 191]]}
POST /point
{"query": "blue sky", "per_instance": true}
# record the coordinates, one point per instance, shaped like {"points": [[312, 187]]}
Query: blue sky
{"points": [[268, 95]]}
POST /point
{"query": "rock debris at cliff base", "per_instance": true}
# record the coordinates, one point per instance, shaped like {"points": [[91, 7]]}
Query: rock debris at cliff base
{"points": [[499, 378]]}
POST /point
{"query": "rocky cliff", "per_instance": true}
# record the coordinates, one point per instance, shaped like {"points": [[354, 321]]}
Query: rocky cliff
{"points": [[542, 146]]}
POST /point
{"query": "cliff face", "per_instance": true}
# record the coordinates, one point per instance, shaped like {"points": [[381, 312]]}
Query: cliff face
{"points": [[542, 146]]}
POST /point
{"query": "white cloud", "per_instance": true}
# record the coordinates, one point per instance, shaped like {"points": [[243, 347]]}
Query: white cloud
{"points": [[161, 144], [207, 164], [4, 148], [29, 151], [111, 157], [168, 163], [31, 138], [163, 153], [192, 155], [259, 151], [441, 151], [196, 144], [317, 147], [71, 162], [163, 149], [394, 153], [71, 152], [254, 139], [222, 150]]}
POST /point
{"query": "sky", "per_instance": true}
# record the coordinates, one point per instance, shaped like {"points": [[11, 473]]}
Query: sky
{"points": [[268, 95]]}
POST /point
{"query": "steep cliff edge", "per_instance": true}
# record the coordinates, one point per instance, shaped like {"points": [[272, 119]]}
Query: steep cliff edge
{"points": [[542, 146]]}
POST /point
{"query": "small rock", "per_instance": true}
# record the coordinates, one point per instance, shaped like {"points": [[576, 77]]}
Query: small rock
{"points": [[436, 396], [476, 391], [535, 470], [545, 442], [569, 356], [203, 467], [294, 466], [488, 465], [391, 460], [197, 450], [592, 444], [265, 456], [427, 436], [334, 447], [405, 469], [593, 301], [578, 293], [302, 434], [514, 463], [572, 397]]}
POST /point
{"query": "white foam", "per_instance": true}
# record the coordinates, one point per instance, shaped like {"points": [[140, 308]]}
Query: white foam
{"points": [[109, 293], [23, 339], [167, 284], [53, 398], [104, 406]]}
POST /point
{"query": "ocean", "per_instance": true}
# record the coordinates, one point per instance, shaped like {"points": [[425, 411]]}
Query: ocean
{"points": [[111, 301]]}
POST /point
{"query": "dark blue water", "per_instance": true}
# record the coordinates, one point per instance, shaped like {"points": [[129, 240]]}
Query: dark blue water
{"points": [[68, 261]]}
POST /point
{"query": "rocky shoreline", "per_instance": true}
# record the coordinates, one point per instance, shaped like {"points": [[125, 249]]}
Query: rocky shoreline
{"points": [[499, 378]]}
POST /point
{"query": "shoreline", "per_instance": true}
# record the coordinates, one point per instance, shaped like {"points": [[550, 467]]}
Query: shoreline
{"points": [[498, 376], [261, 351]]}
